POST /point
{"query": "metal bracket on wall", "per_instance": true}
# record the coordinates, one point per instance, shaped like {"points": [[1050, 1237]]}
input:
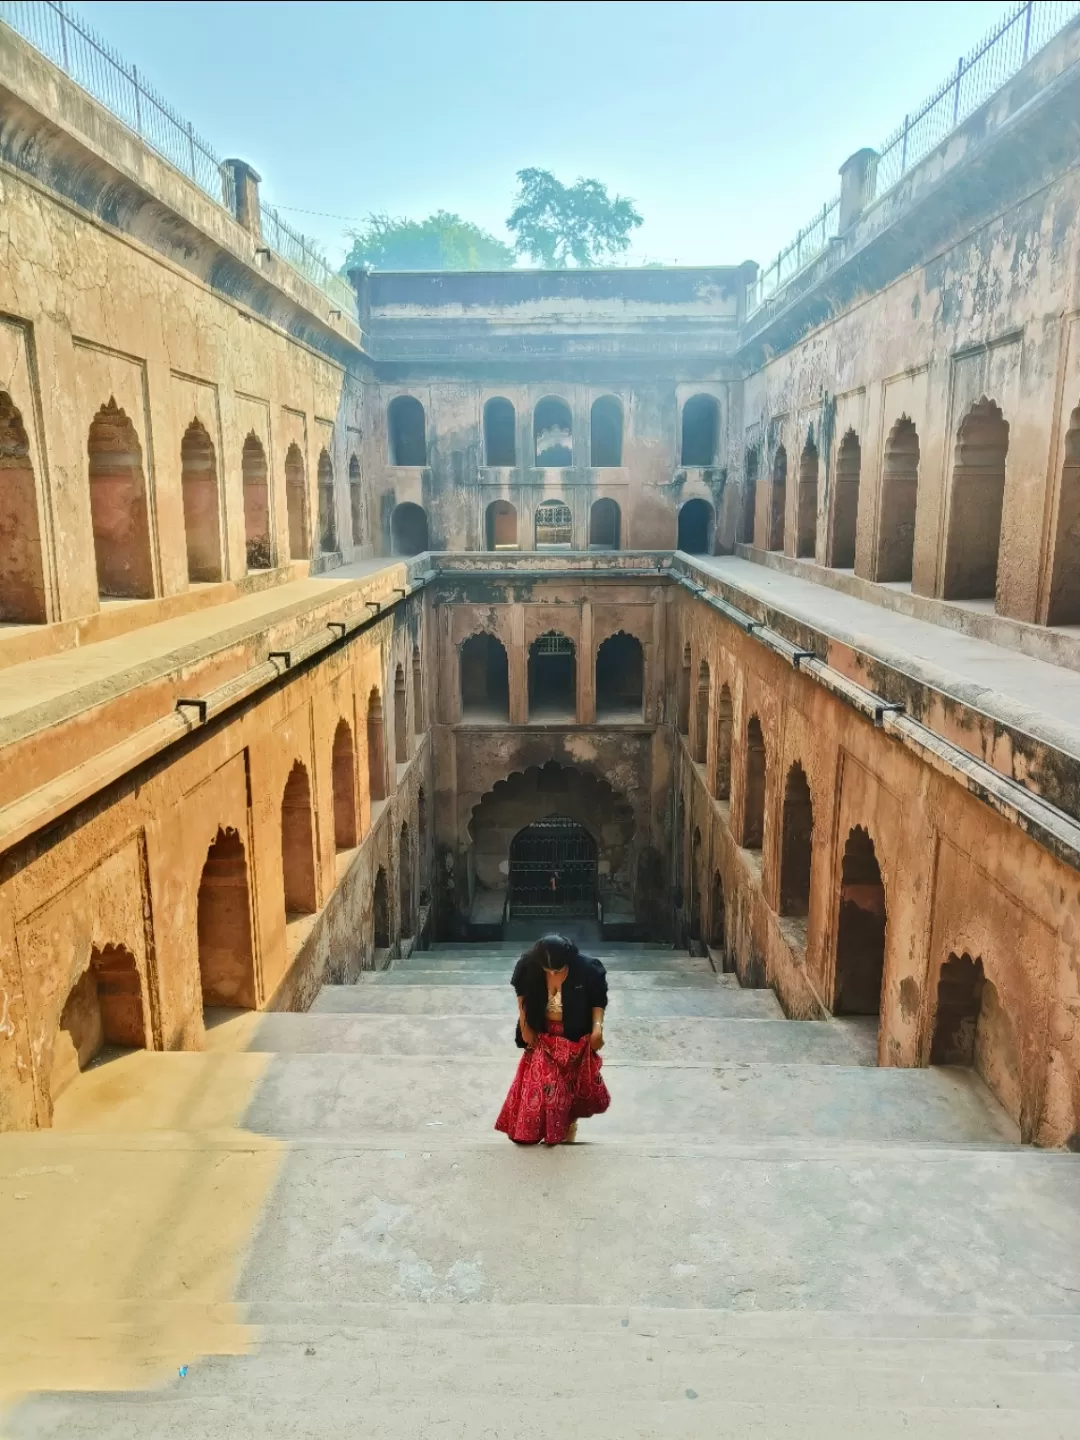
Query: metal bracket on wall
{"points": [[339, 627], [402, 593], [801, 655], [887, 707], [373, 604], [199, 705], [285, 656]]}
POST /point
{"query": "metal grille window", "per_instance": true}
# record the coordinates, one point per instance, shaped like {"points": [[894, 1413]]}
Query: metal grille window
{"points": [[553, 644], [553, 869], [554, 524]]}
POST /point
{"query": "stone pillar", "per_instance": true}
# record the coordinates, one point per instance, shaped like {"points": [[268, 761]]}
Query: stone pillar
{"points": [[519, 668], [245, 195], [586, 669], [857, 175]]}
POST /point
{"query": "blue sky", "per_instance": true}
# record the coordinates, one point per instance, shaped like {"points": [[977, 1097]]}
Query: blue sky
{"points": [[725, 122]]}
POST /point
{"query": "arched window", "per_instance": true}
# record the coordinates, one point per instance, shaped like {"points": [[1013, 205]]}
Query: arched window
{"points": [[777, 500], [256, 504], [701, 719], [105, 1007], [298, 845], [408, 529], [604, 521], [376, 753], [605, 433], [327, 509], [552, 678], [860, 936], [419, 718], [1065, 567], [620, 678], [749, 497], [356, 501], [380, 912], [754, 788], [696, 527], [405, 889], [199, 490], [553, 434], [118, 507], [682, 707], [485, 679], [401, 718], [723, 744], [899, 497], [700, 431], [226, 959], [406, 431], [972, 1027], [22, 564], [796, 844], [500, 526], [500, 433], [296, 504], [845, 509], [977, 500], [806, 520], [343, 766], [554, 525]]}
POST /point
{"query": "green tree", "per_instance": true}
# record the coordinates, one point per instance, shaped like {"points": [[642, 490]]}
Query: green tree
{"points": [[555, 224], [443, 241]]}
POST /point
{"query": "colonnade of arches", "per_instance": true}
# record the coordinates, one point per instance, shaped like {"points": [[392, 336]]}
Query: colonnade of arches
{"points": [[121, 507], [968, 1023], [109, 1003], [484, 678], [975, 508]]}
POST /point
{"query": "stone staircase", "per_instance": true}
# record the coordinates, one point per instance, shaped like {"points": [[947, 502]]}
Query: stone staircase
{"points": [[766, 1236]]}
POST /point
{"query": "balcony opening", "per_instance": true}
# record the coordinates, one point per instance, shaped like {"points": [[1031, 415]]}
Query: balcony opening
{"points": [[700, 431], [500, 434], [408, 530], [554, 526], [119, 507], [861, 931], [256, 486], [696, 527], [296, 503], [500, 526], [604, 522], [620, 678], [485, 679], [406, 429], [552, 678], [553, 434], [605, 433]]}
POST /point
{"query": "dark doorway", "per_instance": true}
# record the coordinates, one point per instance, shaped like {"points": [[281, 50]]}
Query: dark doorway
{"points": [[408, 530], [806, 518], [700, 431], [405, 888], [298, 845], [972, 1027], [226, 963], [1065, 569], [405, 423], [199, 489], [500, 526], [606, 433], [485, 682], [604, 521], [553, 434], [774, 539], [119, 509], [724, 725], [552, 870], [696, 527], [978, 497], [500, 433], [796, 844], [845, 514], [749, 497], [401, 718], [620, 678], [899, 498], [343, 771], [22, 574], [380, 912], [327, 508], [754, 791], [376, 751], [296, 503], [552, 677], [860, 940]]}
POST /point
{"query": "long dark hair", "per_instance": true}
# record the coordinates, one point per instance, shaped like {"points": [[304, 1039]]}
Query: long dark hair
{"points": [[550, 952]]}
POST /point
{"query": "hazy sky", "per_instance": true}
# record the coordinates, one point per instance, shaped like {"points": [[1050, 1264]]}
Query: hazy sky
{"points": [[725, 122]]}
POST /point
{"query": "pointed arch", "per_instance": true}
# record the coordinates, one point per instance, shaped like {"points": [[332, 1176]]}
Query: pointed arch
{"points": [[976, 502], [605, 433], [485, 678], [700, 431], [199, 492], [605, 520], [119, 507], [226, 954], [401, 717], [343, 770], [376, 752], [406, 427], [620, 678], [356, 501], [296, 503], [328, 543], [1064, 604], [724, 730], [973, 1028], [106, 1006], [796, 843], [845, 506], [256, 484], [500, 434], [776, 518], [553, 434], [860, 930], [405, 885], [298, 844], [380, 911], [552, 677], [806, 509], [895, 550], [409, 529], [754, 778], [501, 526], [696, 521], [419, 712], [23, 596], [701, 718]]}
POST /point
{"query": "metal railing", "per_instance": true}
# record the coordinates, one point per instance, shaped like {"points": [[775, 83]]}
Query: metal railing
{"points": [[978, 75], [72, 45]]}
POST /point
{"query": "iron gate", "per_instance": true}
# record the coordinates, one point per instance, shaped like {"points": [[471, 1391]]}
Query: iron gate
{"points": [[552, 870]]}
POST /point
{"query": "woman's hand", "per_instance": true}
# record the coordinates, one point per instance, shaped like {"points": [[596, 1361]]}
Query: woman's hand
{"points": [[596, 1039]]}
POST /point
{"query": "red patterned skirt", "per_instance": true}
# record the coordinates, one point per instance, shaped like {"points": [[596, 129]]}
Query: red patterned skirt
{"points": [[558, 1081]]}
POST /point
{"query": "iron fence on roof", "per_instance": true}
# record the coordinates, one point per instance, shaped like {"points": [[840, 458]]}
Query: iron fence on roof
{"points": [[71, 44], [978, 75]]}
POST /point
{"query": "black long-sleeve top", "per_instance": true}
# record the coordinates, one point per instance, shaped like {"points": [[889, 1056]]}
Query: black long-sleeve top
{"points": [[584, 990]]}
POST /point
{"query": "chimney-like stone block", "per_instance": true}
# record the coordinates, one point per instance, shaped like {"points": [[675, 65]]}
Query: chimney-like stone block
{"points": [[857, 175], [245, 195]]}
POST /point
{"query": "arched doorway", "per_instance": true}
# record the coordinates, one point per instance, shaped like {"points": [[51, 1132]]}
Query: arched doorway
{"points": [[500, 526], [119, 508], [860, 937], [343, 770], [696, 527], [774, 534], [604, 525], [22, 575], [553, 870], [380, 912], [978, 496], [620, 678], [327, 508], [199, 491], [296, 503], [845, 512], [806, 510], [972, 1028], [408, 530], [485, 678], [256, 485], [298, 845], [500, 434], [405, 889], [226, 961], [899, 499], [104, 1007], [552, 677]]}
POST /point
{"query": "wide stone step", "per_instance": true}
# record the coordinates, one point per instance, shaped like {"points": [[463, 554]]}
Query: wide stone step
{"points": [[630, 980], [843, 1042], [372, 997], [660, 964], [332, 1414]]}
